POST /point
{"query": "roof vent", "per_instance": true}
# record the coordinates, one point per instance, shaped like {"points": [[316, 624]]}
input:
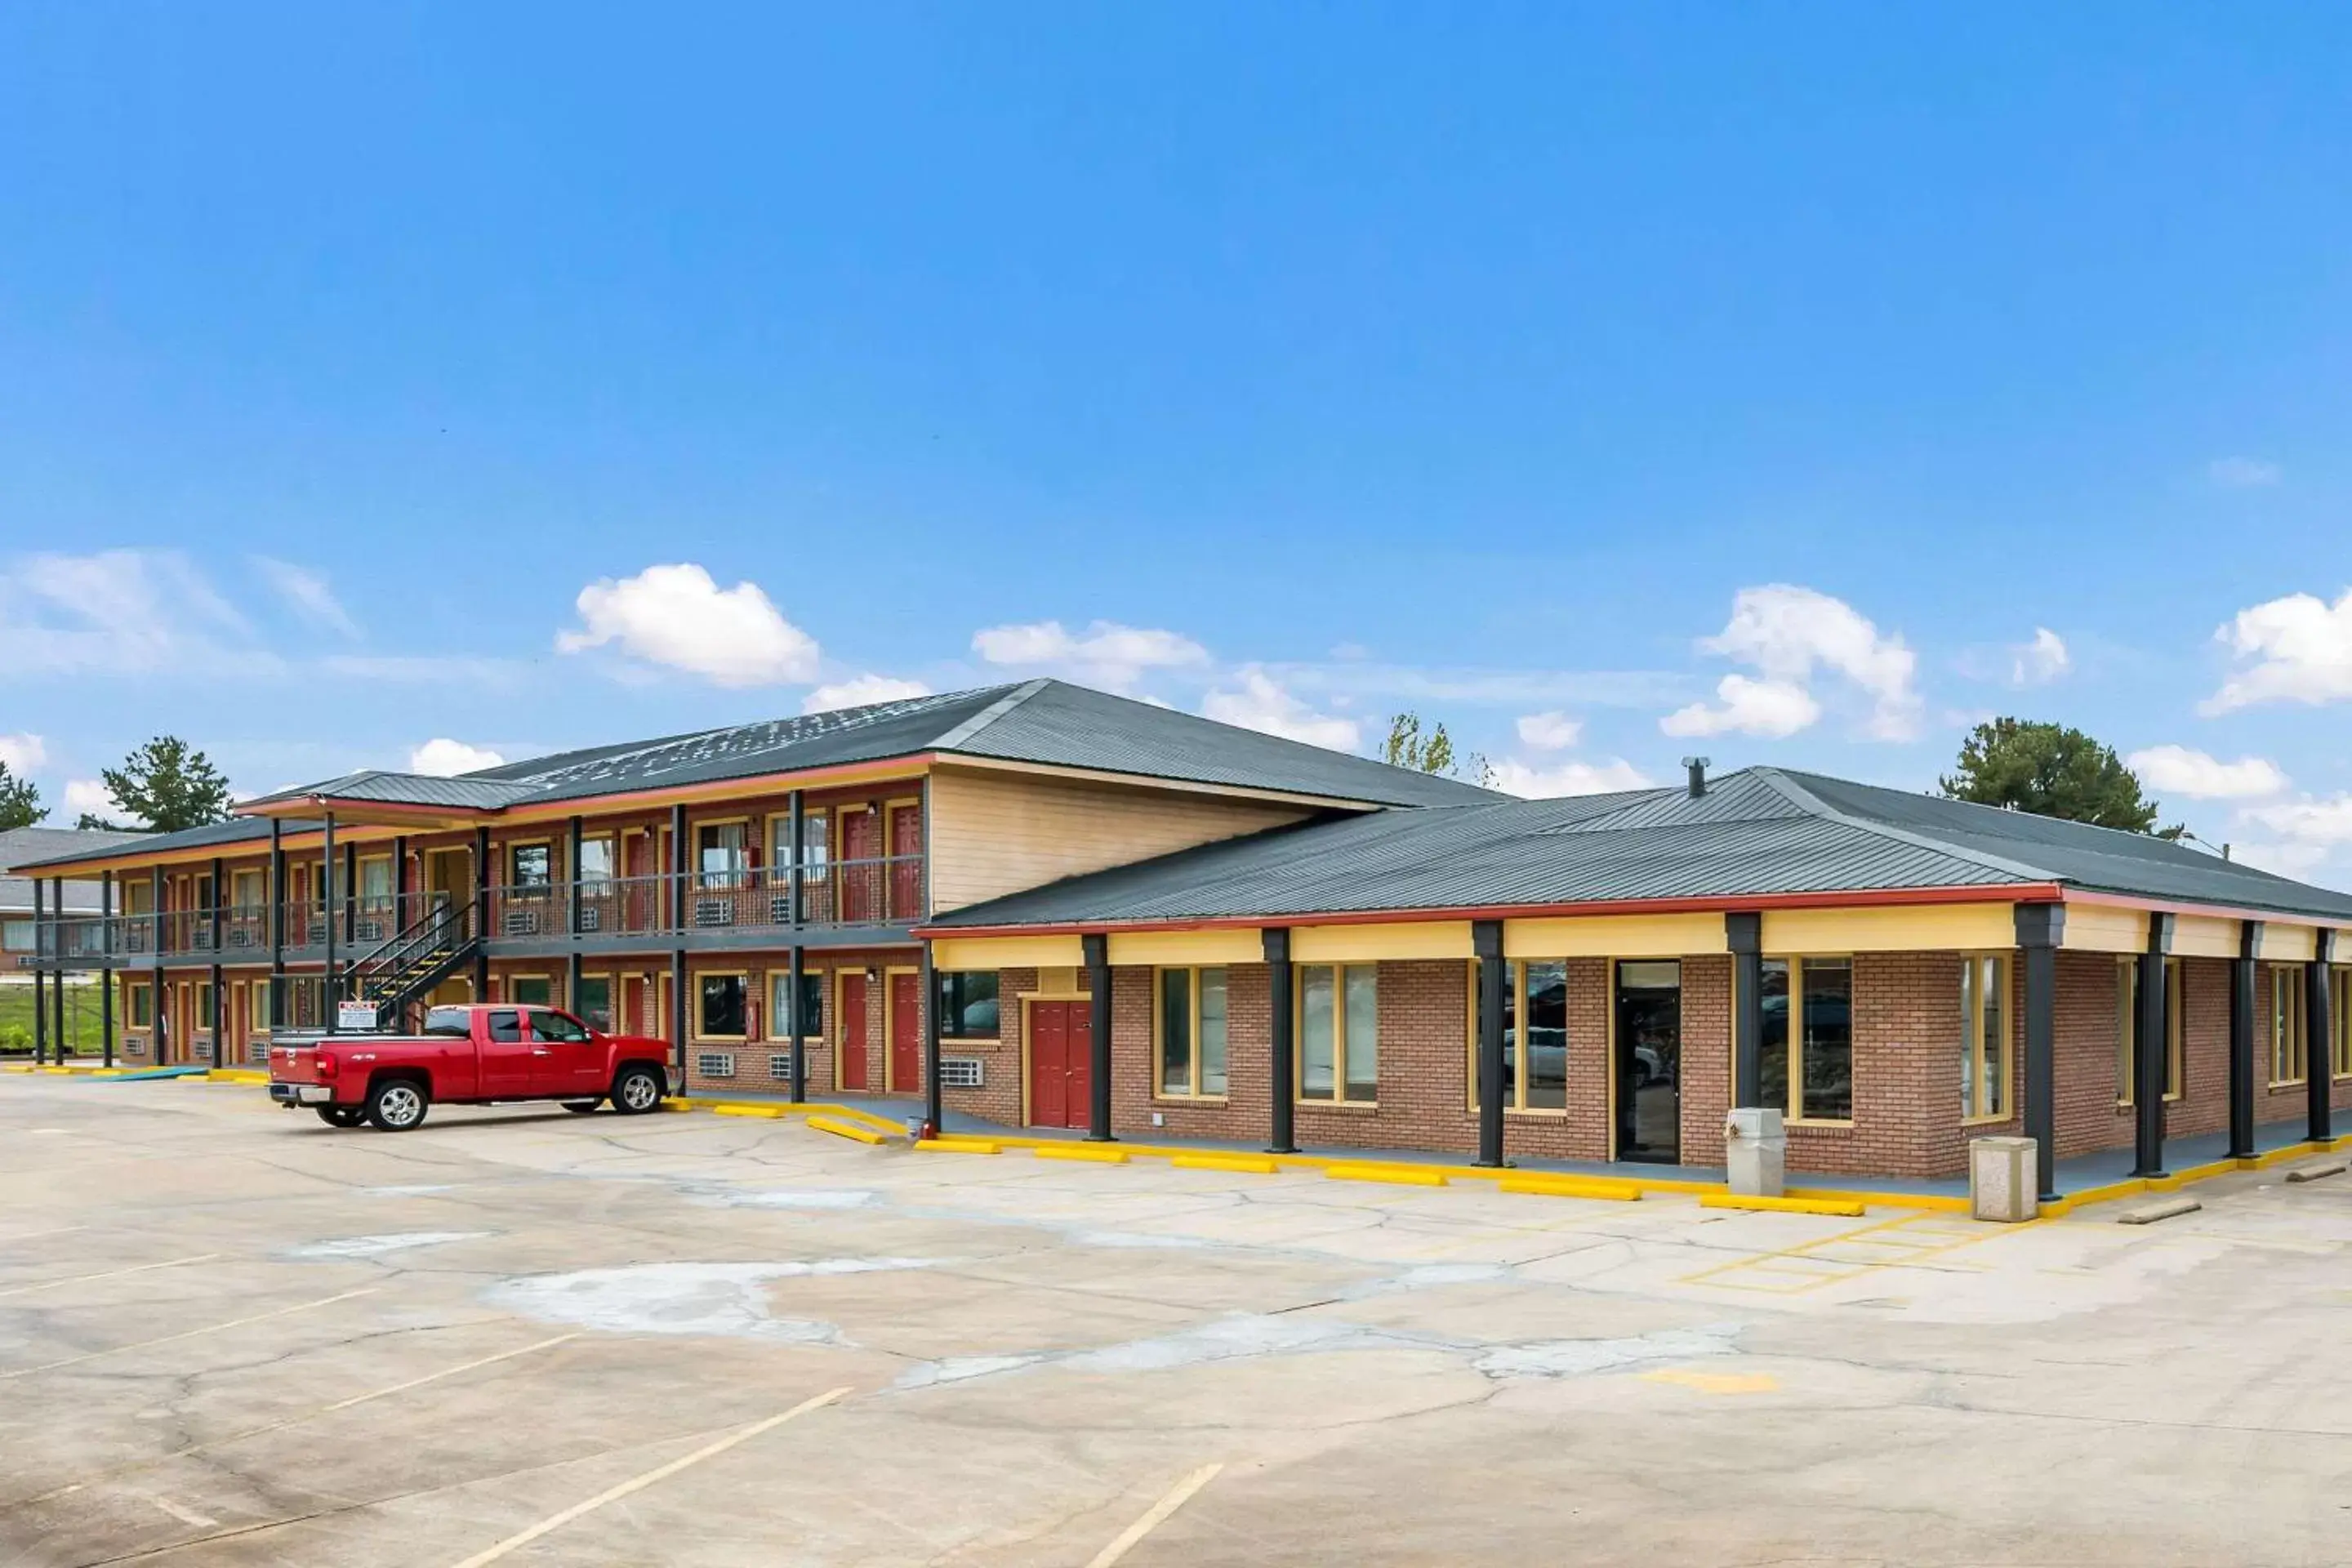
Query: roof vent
{"points": [[1697, 766]]}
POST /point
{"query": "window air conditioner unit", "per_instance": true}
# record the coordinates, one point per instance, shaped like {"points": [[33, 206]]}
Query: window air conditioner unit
{"points": [[714, 911], [714, 1064], [523, 922]]}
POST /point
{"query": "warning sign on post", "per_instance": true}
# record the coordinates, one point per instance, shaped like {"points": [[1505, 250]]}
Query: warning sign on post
{"points": [[354, 1016]]}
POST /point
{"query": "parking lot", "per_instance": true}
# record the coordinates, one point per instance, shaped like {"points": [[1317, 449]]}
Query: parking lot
{"points": [[231, 1335]]}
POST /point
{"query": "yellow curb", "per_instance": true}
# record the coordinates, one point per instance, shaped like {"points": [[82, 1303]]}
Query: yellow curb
{"points": [[1088, 1153], [1247, 1164], [1557, 1187], [1842, 1208], [1393, 1175], [844, 1130], [677, 1105], [954, 1146], [765, 1113]]}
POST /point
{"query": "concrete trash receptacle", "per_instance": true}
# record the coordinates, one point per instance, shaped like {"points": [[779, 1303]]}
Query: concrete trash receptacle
{"points": [[1756, 1152], [2004, 1179]]}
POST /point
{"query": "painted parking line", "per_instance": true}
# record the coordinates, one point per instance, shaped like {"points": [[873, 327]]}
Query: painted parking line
{"points": [[1155, 1516], [189, 1333], [639, 1483], [296, 1420], [1905, 1242], [111, 1273]]}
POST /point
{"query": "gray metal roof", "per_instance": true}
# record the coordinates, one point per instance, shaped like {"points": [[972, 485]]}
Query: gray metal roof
{"points": [[382, 788], [25, 845], [1755, 833]]}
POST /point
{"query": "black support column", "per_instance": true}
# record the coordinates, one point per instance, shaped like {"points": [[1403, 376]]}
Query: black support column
{"points": [[1096, 947], [574, 968], [2039, 930], [1743, 932], [2319, 1052], [482, 914], [677, 881], [215, 916], [42, 944], [678, 1013], [58, 981], [399, 884], [106, 965], [2150, 1056], [329, 994], [933, 1107], [796, 1012], [159, 927], [1494, 977], [1281, 1136], [794, 886], [2241, 1040], [276, 924]]}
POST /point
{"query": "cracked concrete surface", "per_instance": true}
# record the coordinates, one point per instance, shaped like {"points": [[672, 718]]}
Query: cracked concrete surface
{"points": [[1037, 1351]]}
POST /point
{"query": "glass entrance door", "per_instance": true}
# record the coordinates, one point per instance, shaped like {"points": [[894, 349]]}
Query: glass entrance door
{"points": [[1649, 1052]]}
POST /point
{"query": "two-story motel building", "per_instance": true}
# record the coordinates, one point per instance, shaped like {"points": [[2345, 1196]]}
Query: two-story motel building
{"points": [[1043, 906]]}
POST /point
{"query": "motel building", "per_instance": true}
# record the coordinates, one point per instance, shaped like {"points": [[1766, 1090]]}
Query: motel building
{"points": [[1043, 906]]}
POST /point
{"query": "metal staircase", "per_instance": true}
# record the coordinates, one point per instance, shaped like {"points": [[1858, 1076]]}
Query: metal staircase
{"points": [[406, 969]]}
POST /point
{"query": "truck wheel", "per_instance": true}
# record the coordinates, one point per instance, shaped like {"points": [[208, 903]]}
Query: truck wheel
{"points": [[581, 1106], [341, 1115], [395, 1105], [636, 1090]]}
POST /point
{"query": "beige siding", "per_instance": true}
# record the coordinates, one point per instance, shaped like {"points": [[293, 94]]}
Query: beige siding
{"points": [[993, 834]]}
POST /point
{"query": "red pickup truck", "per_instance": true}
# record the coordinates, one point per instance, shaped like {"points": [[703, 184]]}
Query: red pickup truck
{"points": [[469, 1055]]}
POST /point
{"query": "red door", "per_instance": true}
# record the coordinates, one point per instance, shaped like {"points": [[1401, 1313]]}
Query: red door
{"points": [[861, 849], [849, 1061], [1061, 1063], [906, 1033], [905, 862]]}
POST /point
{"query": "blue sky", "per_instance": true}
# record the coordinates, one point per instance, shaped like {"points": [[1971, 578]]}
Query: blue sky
{"points": [[379, 376]]}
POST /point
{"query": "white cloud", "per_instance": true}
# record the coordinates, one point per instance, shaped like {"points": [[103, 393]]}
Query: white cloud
{"points": [[2313, 820], [120, 612], [443, 758], [2041, 661], [675, 617], [1534, 783], [861, 690], [1788, 633], [1107, 654], [1549, 731], [1262, 704], [306, 595], [2301, 646], [1772, 708], [2178, 769], [2243, 473], [92, 795], [23, 754], [2285, 858]]}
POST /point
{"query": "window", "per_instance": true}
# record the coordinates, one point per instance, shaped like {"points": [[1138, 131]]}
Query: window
{"points": [[2339, 1021], [1340, 1032], [141, 1008], [249, 890], [723, 1007], [532, 869], [2289, 1044], [1191, 1024], [1535, 1058], [1984, 1037], [594, 1002], [506, 1026], [204, 1003], [557, 1029], [375, 883], [968, 1004], [449, 1022], [1809, 1070], [718, 854], [811, 1009], [15, 936], [596, 862], [2127, 1029], [532, 990]]}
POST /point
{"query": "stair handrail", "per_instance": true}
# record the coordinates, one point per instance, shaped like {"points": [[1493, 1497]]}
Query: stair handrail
{"points": [[426, 935]]}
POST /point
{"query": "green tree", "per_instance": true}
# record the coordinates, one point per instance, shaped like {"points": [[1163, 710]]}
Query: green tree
{"points": [[1407, 747], [168, 786], [20, 803], [2050, 770]]}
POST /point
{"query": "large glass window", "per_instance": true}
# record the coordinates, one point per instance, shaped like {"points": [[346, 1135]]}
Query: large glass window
{"points": [[2289, 1044], [2127, 1029], [1535, 1035], [2339, 1020], [595, 862], [1192, 1027], [968, 1004], [375, 883], [594, 1002], [780, 1008], [532, 990], [721, 1015], [1807, 1046], [1340, 1032], [1984, 1036], [718, 854], [530, 869], [141, 1009]]}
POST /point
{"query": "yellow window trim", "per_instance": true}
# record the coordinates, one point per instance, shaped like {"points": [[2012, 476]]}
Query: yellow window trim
{"points": [[1973, 1045], [1791, 1114], [1338, 1035], [1194, 1097], [695, 980], [1515, 1051]]}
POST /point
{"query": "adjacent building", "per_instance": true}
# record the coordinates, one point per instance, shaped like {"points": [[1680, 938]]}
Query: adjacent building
{"points": [[1044, 906]]}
